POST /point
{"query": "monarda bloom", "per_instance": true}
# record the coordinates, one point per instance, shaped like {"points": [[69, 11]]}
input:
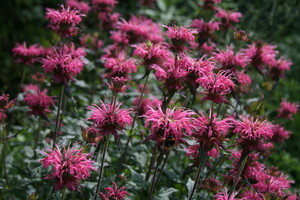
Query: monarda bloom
{"points": [[277, 71], [228, 17], [79, 5], [27, 55], [244, 81], [225, 196], [287, 109], [113, 193], [151, 53], [64, 66], [170, 74], [137, 30], [261, 54], [118, 84], [280, 134], [180, 36], [272, 182], [230, 60], [205, 29], [108, 119], [253, 133], [38, 101], [5, 103], [216, 86], [146, 104], [64, 21], [210, 4], [104, 6], [210, 133], [69, 167], [120, 66], [169, 127]]}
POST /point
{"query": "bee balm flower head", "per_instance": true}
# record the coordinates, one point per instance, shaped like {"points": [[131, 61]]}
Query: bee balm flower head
{"points": [[69, 166], [64, 21]]}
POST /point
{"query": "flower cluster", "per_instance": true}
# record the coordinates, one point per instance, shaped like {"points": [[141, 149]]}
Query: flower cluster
{"points": [[28, 55], [64, 66], [64, 21], [69, 166], [109, 119], [287, 109], [114, 193], [38, 101], [167, 128]]}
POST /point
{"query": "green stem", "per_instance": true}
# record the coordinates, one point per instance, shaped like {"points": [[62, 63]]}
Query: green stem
{"points": [[102, 166], [37, 136], [158, 162], [196, 181], [97, 151], [57, 121], [241, 168], [63, 193], [162, 167], [4, 155], [152, 162]]}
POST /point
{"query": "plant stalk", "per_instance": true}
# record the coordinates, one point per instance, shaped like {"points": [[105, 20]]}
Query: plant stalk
{"points": [[241, 168], [102, 166], [196, 181], [57, 121]]}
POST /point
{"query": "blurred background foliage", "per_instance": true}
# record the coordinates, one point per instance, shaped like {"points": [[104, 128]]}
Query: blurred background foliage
{"points": [[272, 21]]}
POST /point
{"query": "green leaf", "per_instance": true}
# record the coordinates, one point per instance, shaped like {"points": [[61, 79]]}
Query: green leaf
{"points": [[164, 193], [189, 185]]}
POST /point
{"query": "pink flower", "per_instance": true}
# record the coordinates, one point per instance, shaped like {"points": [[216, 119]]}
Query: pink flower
{"points": [[181, 33], [64, 21], [79, 5], [205, 29], [167, 128], [5, 103], [28, 55], [280, 134], [151, 53], [210, 133], [118, 84], [210, 4], [114, 193], [268, 54], [277, 71], [251, 129], [64, 66], [192, 151], [253, 134], [272, 182], [225, 196], [252, 195], [104, 6], [171, 75], [261, 54], [120, 66], [230, 60], [287, 109], [216, 86], [68, 167], [146, 104], [228, 17], [179, 36], [108, 119], [38, 101], [137, 30], [244, 81]]}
